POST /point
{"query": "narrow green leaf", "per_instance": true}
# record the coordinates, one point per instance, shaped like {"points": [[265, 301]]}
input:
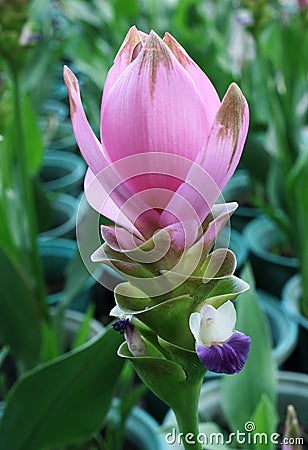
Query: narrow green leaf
{"points": [[162, 376], [76, 277], [4, 351], [265, 420], [83, 333], [32, 135], [50, 342], [68, 397], [19, 326]]}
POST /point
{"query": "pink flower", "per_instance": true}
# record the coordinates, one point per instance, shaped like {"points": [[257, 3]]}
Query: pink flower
{"points": [[302, 3], [168, 145]]}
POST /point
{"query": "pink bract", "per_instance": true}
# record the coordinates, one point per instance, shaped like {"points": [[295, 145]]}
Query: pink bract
{"points": [[168, 145]]}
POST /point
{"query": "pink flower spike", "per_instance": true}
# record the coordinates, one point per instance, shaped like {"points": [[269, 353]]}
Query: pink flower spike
{"points": [[159, 108], [88, 143], [216, 163], [128, 51], [100, 201], [108, 194], [302, 3], [227, 137], [206, 89]]}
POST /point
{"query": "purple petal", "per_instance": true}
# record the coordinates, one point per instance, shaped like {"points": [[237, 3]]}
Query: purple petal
{"points": [[226, 357]]}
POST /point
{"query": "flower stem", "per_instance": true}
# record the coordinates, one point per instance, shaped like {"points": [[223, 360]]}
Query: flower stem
{"points": [[187, 419]]}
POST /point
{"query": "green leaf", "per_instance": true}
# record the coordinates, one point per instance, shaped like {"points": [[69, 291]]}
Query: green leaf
{"points": [[4, 351], [68, 397], [265, 419], [162, 376], [218, 291], [43, 205], [242, 392], [83, 333], [176, 313], [19, 326], [32, 136], [50, 342], [76, 277]]}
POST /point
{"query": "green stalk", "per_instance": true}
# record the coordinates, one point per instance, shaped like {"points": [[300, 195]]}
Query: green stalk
{"points": [[27, 191], [187, 418]]}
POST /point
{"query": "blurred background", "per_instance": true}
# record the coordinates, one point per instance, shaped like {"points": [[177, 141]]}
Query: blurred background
{"points": [[260, 44]]}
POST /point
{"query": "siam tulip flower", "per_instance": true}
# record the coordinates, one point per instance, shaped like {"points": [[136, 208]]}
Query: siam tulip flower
{"points": [[302, 3], [218, 346], [168, 145]]}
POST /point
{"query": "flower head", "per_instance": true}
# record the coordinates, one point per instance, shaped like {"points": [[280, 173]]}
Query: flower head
{"points": [[303, 3], [168, 145], [218, 346]]}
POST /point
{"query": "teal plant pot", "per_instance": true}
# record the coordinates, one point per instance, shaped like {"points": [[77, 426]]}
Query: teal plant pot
{"points": [[292, 389], [237, 245], [64, 209], [55, 108], [63, 138], [283, 332], [56, 255], [63, 171], [271, 270], [53, 114], [72, 322], [141, 429], [291, 296], [238, 190]]}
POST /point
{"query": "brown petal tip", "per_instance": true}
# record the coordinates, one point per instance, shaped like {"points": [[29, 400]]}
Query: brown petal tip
{"points": [[69, 79]]}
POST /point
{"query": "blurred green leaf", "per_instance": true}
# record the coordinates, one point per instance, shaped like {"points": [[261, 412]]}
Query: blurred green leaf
{"points": [[9, 215], [265, 419], [83, 333], [214, 434], [76, 278], [68, 397], [50, 342], [19, 325], [4, 351], [242, 392], [43, 204], [255, 158], [32, 136]]}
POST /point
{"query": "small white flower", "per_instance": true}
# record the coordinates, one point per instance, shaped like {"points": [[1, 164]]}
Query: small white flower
{"points": [[218, 346]]}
